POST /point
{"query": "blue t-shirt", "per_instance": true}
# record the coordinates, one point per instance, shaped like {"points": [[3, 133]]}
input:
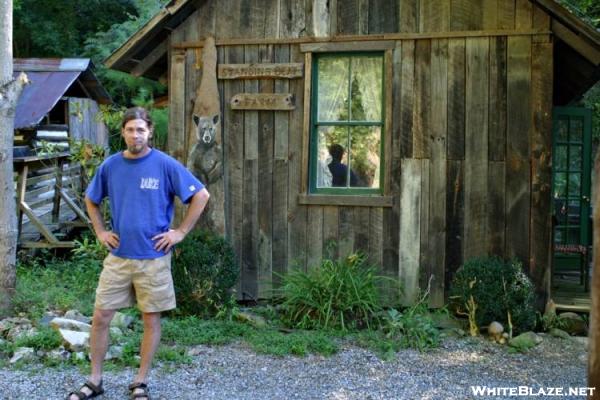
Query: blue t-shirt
{"points": [[141, 193]]}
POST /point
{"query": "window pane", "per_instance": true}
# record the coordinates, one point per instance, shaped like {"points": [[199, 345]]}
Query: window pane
{"points": [[333, 88], [563, 129], [332, 156], [366, 91], [365, 156], [576, 130], [575, 162], [574, 184], [560, 157], [560, 184], [574, 215]]}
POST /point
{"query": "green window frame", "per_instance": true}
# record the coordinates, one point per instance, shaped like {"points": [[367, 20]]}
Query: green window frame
{"points": [[362, 129]]}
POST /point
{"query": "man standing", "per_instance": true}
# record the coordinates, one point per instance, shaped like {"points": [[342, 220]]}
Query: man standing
{"points": [[141, 183]]}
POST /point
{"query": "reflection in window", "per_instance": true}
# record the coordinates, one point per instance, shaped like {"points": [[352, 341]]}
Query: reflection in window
{"points": [[347, 123]]}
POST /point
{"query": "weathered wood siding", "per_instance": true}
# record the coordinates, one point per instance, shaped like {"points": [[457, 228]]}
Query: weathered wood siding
{"points": [[469, 140]]}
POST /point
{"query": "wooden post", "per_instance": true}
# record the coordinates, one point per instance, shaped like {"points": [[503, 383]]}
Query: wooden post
{"points": [[594, 335]]}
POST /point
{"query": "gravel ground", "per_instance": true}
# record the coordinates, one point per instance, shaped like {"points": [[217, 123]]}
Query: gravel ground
{"points": [[234, 372]]}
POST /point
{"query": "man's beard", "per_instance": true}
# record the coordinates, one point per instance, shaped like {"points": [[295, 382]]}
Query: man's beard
{"points": [[136, 148]]}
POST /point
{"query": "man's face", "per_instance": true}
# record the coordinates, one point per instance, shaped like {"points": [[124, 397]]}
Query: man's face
{"points": [[136, 134]]}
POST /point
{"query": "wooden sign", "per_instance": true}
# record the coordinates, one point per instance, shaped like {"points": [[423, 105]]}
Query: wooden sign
{"points": [[258, 71], [263, 101]]}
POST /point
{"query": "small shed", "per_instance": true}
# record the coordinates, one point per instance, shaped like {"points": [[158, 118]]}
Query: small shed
{"points": [[444, 110], [60, 104]]}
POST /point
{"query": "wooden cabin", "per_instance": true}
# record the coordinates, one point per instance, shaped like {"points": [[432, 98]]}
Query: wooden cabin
{"points": [[60, 104], [443, 110]]}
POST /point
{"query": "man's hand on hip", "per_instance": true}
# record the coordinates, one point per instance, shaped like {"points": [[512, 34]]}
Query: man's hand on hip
{"points": [[166, 240], [109, 239]]}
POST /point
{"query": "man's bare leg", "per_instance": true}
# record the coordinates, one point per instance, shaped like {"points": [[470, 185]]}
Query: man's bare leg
{"points": [[98, 345], [150, 343]]}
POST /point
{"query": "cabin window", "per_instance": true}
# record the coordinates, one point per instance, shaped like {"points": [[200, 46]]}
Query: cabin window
{"points": [[347, 124]]}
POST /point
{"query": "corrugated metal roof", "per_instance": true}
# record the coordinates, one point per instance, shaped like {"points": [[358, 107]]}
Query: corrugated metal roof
{"points": [[50, 79], [39, 97]]}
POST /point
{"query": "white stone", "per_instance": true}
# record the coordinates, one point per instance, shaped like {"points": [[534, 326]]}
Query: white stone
{"points": [[75, 341], [114, 352], [80, 356], [23, 354], [116, 332], [58, 354], [70, 324], [77, 316], [121, 321]]}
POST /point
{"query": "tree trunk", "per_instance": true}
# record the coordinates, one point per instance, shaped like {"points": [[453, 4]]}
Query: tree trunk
{"points": [[10, 90], [594, 331]]}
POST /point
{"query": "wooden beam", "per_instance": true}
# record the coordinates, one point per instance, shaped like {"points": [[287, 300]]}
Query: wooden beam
{"points": [[345, 200], [563, 15], [578, 43], [145, 64], [364, 38], [348, 46]]}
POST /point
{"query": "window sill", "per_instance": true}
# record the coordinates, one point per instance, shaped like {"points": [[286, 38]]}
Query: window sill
{"points": [[346, 200]]}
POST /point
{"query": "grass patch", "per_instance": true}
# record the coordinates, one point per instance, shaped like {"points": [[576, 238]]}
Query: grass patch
{"points": [[301, 343], [45, 339], [56, 284]]}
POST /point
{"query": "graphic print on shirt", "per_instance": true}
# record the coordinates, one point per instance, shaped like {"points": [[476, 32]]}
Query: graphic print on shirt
{"points": [[149, 183]]}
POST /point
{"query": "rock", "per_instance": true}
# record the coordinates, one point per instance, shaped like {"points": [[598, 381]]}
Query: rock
{"points": [[574, 324], [584, 340], [121, 321], [60, 354], [11, 328], [75, 341], [114, 352], [19, 332], [461, 332], [559, 333], [80, 356], [525, 341], [23, 354], [255, 320], [116, 332], [70, 324], [495, 330], [445, 321], [194, 351], [77, 316]]}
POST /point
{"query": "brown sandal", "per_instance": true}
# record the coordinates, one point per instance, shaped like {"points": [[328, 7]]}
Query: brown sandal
{"points": [[138, 385], [97, 390]]}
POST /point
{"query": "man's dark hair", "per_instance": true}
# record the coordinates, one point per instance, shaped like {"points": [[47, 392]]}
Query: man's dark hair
{"points": [[336, 151], [137, 113]]}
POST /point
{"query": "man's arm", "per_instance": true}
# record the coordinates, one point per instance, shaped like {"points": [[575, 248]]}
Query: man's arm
{"points": [[168, 239], [107, 238]]}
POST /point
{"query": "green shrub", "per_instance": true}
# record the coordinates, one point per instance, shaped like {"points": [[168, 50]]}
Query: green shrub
{"points": [[498, 287], [340, 294], [45, 339], [411, 328], [204, 270]]}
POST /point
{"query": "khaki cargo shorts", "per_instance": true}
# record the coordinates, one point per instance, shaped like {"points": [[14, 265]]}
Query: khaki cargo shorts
{"points": [[123, 280]]}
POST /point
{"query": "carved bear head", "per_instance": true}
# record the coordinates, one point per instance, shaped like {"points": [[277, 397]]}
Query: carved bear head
{"points": [[206, 128]]}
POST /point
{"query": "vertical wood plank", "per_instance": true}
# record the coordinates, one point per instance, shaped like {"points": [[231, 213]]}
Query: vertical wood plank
{"points": [[438, 166], [280, 176], [541, 174], [409, 15], [421, 114], [434, 16], [333, 17], [193, 75], [497, 218], [297, 214], [476, 147], [497, 109], [490, 14], [517, 156], [389, 93], [251, 117], [409, 246], [292, 19], [456, 99], [346, 231], [506, 14], [425, 251], [265, 184], [306, 122], [383, 17], [363, 17], [348, 16], [523, 14], [376, 237], [455, 210], [233, 138], [361, 232], [407, 98], [314, 237], [541, 21], [466, 15], [330, 232]]}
